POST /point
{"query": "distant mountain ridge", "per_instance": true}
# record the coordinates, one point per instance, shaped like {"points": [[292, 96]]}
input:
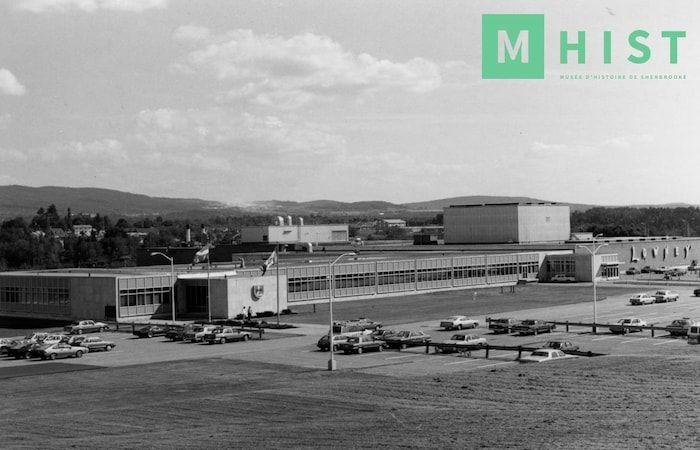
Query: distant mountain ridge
{"points": [[24, 201]]}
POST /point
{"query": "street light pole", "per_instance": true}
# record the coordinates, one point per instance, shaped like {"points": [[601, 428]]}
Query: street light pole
{"points": [[593, 278], [172, 280], [331, 361]]}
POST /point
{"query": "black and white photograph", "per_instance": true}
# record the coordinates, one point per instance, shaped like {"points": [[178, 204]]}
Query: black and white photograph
{"points": [[257, 224]]}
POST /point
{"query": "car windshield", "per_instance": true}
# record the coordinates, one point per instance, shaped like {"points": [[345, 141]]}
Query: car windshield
{"points": [[624, 321], [404, 333], [459, 337], [454, 318], [354, 340], [540, 353]]}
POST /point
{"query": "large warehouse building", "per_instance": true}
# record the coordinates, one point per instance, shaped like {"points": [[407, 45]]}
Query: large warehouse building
{"points": [[519, 223], [289, 233]]}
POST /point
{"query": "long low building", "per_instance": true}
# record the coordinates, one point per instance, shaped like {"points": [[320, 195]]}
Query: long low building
{"points": [[226, 291]]}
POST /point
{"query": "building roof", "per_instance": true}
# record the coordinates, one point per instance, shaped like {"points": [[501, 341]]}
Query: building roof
{"points": [[508, 204]]}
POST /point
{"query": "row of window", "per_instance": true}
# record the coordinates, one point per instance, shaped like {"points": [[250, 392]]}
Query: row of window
{"points": [[354, 280], [143, 297]]}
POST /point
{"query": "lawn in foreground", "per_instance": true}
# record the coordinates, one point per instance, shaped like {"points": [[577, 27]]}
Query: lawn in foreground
{"points": [[607, 402]]}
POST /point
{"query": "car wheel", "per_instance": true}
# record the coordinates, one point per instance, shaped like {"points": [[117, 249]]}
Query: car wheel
{"points": [[335, 348], [102, 329], [380, 348], [79, 354], [459, 327], [222, 341], [80, 331], [246, 337], [403, 346], [150, 335], [27, 356], [535, 332], [108, 348], [476, 324], [52, 356], [359, 351]]}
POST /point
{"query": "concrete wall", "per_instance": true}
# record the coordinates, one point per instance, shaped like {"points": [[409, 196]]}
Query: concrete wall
{"points": [[481, 224], [240, 294], [90, 295], [652, 251], [543, 223]]}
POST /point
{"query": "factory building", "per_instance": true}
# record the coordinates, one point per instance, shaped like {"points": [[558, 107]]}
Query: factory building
{"points": [[146, 292], [519, 223], [288, 233]]}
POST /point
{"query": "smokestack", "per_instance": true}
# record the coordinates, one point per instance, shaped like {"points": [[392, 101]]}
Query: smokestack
{"points": [[289, 220], [188, 235], [280, 220], [301, 221]]}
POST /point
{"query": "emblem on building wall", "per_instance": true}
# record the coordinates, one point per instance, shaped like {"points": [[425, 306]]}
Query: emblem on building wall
{"points": [[654, 252], [686, 251], [644, 253], [258, 291], [675, 251], [665, 252]]}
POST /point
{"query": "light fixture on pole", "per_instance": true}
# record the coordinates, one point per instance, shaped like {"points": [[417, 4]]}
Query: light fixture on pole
{"points": [[331, 361], [172, 279], [593, 276]]}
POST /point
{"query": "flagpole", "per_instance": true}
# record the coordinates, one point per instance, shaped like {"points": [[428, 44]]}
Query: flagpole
{"points": [[209, 287], [277, 257]]}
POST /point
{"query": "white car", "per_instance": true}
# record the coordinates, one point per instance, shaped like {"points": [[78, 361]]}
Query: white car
{"points": [[642, 299], [458, 322], [459, 341], [544, 355], [61, 350], [624, 326], [663, 296]]}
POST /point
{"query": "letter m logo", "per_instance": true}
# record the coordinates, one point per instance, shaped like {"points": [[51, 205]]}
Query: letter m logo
{"points": [[512, 46]]}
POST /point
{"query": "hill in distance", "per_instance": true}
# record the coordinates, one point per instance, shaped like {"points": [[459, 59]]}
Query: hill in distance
{"points": [[25, 201]]}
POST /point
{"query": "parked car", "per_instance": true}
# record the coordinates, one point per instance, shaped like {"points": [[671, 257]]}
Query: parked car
{"points": [[534, 327], [694, 333], [404, 339], [503, 325], [664, 296], [360, 344], [646, 269], [562, 278], [382, 333], [641, 299], [458, 322], [175, 333], [632, 271], [5, 343], [151, 330], [338, 339], [20, 349], [460, 341], [196, 334], [224, 335], [680, 327], [696, 292], [564, 346], [61, 350], [544, 355], [624, 326], [85, 326], [354, 325], [92, 343]]}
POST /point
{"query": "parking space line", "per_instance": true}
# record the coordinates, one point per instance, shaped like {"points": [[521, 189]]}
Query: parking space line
{"points": [[670, 341], [633, 340], [466, 360], [404, 356], [496, 364], [604, 338]]}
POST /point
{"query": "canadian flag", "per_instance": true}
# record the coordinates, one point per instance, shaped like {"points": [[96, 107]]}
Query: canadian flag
{"points": [[269, 261], [202, 255]]}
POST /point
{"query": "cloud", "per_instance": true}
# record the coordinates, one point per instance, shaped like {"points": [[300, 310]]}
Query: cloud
{"points": [[291, 72], [227, 133], [9, 84], [10, 155], [40, 6]]}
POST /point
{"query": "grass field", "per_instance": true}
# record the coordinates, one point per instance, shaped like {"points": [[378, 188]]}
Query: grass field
{"points": [[220, 403], [433, 306]]}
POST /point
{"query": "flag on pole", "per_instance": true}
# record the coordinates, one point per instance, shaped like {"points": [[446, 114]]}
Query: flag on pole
{"points": [[272, 259], [202, 255]]}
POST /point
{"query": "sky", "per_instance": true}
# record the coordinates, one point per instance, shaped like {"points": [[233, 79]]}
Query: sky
{"points": [[239, 101]]}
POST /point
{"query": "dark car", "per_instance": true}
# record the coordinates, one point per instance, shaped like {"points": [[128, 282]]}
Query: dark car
{"points": [[20, 349], [502, 325], [534, 327], [646, 269], [404, 339], [632, 271], [564, 346], [177, 333], [92, 343], [151, 330], [696, 292]]}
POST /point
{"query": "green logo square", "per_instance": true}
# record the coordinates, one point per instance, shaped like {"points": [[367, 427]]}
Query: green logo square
{"points": [[512, 46]]}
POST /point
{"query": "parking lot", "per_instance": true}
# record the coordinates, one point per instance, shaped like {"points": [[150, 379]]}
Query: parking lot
{"points": [[297, 347]]}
